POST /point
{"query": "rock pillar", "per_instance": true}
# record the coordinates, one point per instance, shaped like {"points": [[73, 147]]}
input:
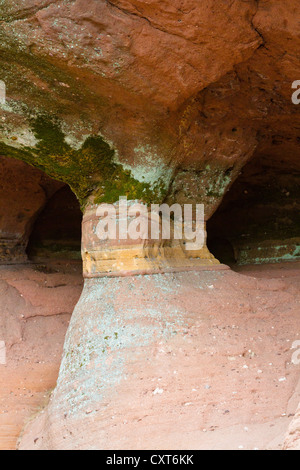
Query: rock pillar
{"points": [[122, 344]]}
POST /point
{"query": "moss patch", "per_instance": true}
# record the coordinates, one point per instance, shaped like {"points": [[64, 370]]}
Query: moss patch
{"points": [[89, 170]]}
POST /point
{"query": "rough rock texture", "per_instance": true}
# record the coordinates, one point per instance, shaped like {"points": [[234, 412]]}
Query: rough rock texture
{"points": [[36, 303], [24, 191], [292, 441], [156, 100], [259, 218], [38, 215], [147, 99], [198, 360], [153, 100], [133, 71]]}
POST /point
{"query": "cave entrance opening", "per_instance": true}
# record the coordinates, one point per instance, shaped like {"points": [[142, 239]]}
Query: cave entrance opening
{"points": [[56, 233], [39, 216], [258, 220]]}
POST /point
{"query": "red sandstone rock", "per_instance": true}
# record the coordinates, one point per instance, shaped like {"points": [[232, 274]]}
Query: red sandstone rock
{"points": [[187, 90], [193, 361], [139, 73], [35, 311], [292, 441]]}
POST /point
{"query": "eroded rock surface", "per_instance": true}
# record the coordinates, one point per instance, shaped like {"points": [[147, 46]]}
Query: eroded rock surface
{"points": [[194, 360], [36, 303], [158, 101], [153, 100], [24, 191], [292, 441]]}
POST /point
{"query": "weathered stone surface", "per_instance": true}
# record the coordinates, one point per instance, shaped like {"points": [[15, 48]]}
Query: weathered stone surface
{"points": [[57, 231], [36, 303], [154, 362], [292, 441], [23, 193], [138, 254], [158, 51], [158, 101], [140, 74]]}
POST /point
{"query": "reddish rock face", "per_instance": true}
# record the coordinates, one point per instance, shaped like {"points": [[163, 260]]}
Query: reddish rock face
{"points": [[164, 97], [159, 51], [164, 82], [38, 215], [154, 362], [292, 441], [24, 192], [36, 303], [185, 93]]}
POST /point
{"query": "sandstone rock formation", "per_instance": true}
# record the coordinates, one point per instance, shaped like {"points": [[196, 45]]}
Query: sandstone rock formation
{"points": [[148, 99], [36, 303], [39, 216], [177, 361], [24, 192], [157, 101], [292, 441]]}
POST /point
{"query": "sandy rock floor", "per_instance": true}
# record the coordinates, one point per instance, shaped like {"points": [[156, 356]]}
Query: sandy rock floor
{"points": [[36, 303], [244, 386]]}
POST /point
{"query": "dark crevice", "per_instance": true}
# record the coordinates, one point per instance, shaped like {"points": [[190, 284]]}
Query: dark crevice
{"points": [[57, 230], [259, 218]]}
